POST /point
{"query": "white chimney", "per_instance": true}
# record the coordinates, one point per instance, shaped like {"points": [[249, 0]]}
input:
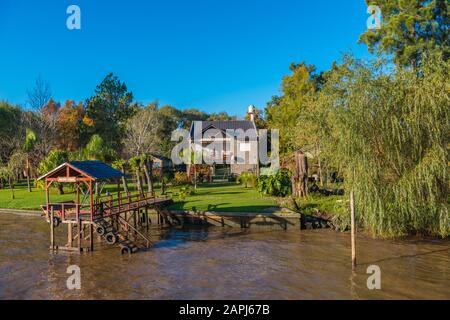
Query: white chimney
{"points": [[251, 112]]}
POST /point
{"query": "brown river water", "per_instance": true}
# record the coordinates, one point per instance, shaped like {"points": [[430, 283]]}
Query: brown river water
{"points": [[216, 263]]}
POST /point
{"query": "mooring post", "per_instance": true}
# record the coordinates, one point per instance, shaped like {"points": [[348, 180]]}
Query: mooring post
{"points": [[52, 229], [91, 236], [69, 234], [353, 229], [79, 234]]}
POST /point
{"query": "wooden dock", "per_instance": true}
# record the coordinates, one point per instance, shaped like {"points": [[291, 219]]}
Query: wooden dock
{"points": [[116, 219]]}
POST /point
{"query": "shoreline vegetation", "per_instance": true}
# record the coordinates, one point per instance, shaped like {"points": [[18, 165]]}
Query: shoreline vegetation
{"points": [[227, 198], [211, 197]]}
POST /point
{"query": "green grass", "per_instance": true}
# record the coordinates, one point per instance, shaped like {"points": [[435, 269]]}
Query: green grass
{"points": [[28, 200], [32, 200], [226, 197], [325, 204]]}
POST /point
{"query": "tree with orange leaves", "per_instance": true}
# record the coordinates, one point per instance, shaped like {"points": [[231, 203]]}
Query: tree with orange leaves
{"points": [[70, 117]]}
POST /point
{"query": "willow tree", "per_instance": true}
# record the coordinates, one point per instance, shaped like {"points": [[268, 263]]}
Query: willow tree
{"points": [[390, 136]]}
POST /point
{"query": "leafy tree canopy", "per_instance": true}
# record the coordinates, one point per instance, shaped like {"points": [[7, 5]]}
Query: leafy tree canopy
{"points": [[108, 110], [410, 28]]}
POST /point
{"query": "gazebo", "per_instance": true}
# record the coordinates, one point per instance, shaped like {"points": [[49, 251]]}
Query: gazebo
{"points": [[109, 215], [80, 173]]}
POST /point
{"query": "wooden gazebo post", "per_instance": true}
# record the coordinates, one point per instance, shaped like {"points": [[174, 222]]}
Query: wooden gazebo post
{"points": [[47, 196]]}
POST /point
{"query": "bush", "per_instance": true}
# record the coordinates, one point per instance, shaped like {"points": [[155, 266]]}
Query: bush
{"points": [[181, 178], [248, 179], [185, 191], [278, 185]]}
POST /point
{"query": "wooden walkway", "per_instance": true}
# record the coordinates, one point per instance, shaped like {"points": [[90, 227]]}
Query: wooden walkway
{"points": [[103, 207]]}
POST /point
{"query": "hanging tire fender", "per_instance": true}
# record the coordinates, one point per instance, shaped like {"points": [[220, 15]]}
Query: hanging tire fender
{"points": [[56, 221], [100, 230], [111, 238]]}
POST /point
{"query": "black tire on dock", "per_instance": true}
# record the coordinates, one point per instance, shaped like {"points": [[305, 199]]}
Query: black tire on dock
{"points": [[126, 250], [110, 238], [100, 230], [56, 221]]}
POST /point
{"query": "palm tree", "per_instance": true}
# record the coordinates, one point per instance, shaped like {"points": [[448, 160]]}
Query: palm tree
{"points": [[28, 146], [193, 157], [51, 161]]}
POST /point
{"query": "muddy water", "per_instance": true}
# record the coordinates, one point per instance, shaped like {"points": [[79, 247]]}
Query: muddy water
{"points": [[216, 263]]}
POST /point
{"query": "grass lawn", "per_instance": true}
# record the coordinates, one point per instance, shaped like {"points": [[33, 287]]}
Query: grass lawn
{"points": [[224, 197], [32, 200], [227, 197]]}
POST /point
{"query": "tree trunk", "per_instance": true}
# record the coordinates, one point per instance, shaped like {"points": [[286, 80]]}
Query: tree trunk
{"points": [[11, 186], [28, 175], [300, 176], [60, 188], [319, 164], [148, 168], [138, 180], [124, 181]]}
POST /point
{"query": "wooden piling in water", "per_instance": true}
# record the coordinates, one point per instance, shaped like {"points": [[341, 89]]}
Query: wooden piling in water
{"points": [[69, 235], [79, 234], [52, 229], [91, 237], [353, 229]]}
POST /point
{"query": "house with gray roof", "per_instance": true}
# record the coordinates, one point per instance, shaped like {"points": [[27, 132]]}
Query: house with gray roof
{"points": [[228, 147]]}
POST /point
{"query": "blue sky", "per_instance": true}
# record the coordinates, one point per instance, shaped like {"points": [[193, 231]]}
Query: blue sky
{"points": [[209, 54]]}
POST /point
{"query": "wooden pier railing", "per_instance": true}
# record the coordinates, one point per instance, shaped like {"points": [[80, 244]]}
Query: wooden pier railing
{"points": [[103, 206]]}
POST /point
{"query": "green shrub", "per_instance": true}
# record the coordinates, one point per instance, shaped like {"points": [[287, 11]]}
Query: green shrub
{"points": [[248, 179], [185, 191], [278, 185], [335, 207]]}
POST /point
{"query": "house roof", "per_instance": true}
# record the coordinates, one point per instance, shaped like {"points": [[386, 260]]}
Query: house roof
{"points": [[93, 169], [223, 125], [160, 157]]}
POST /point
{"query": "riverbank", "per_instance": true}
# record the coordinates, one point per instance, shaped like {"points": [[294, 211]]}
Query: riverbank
{"points": [[22, 212], [274, 219]]}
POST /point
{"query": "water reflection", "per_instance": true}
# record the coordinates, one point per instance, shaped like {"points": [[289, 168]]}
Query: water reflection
{"points": [[217, 263]]}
